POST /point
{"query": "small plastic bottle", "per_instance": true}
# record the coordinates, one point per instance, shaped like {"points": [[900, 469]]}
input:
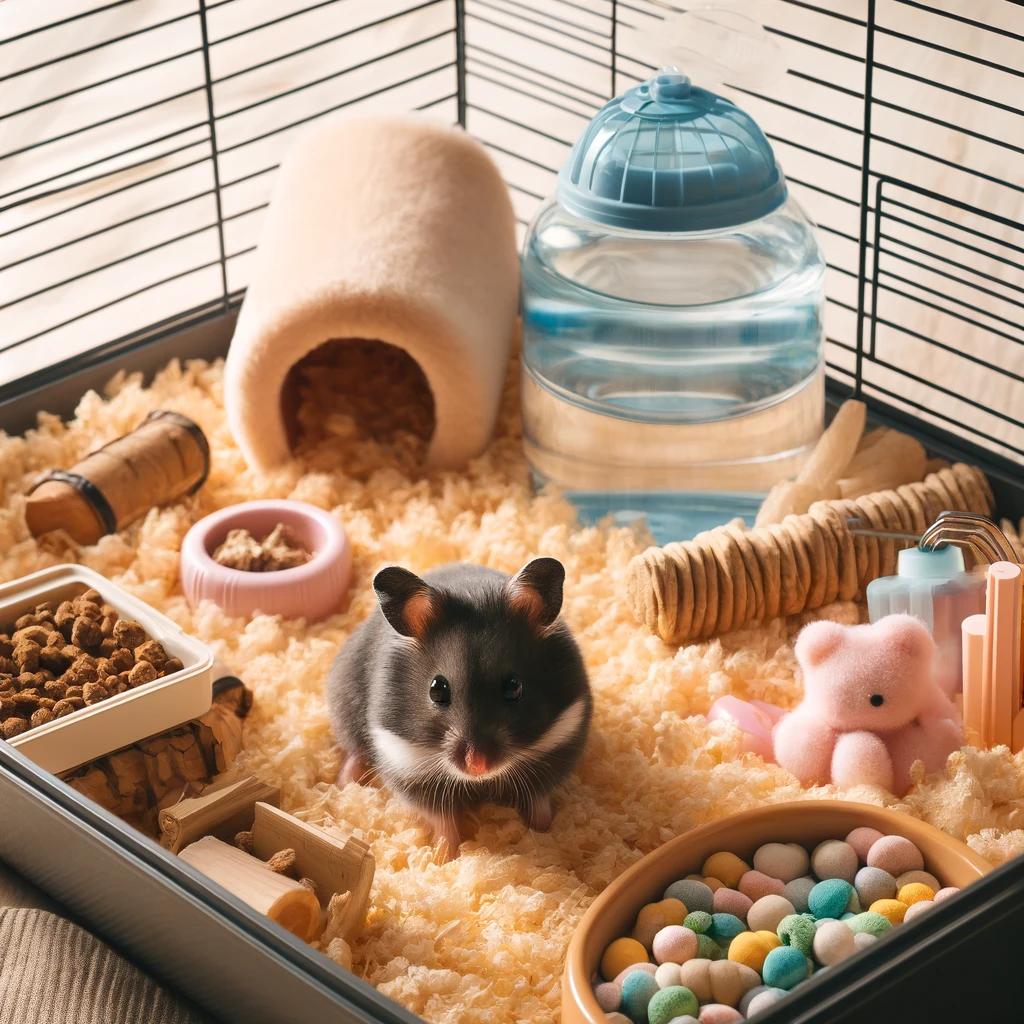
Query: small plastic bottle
{"points": [[934, 586]]}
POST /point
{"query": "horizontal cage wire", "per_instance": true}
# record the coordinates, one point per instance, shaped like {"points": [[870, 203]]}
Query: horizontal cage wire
{"points": [[139, 141]]}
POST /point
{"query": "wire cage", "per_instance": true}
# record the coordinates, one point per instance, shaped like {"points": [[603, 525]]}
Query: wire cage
{"points": [[139, 141]]}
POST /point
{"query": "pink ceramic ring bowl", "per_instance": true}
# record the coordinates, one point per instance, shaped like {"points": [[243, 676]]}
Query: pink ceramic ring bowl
{"points": [[310, 591]]}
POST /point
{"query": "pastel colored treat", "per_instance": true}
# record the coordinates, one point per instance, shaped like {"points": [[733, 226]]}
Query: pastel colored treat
{"points": [[638, 989], [944, 894], [719, 981], [917, 909], [714, 884], [686, 1018], [755, 884], [667, 974], [719, 1013], [647, 968], [608, 996], [619, 955], [797, 930], [874, 884], [870, 923], [669, 1003], [769, 997], [655, 916], [675, 944], [693, 893], [864, 939], [896, 855], [731, 901], [915, 892], [835, 859], [727, 867], [617, 1018], [829, 897], [748, 996], [725, 927], [751, 948], [708, 949], [784, 861], [786, 967], [797, 892], [767, 912], [924, 877], [853, 903], [862, 839], [892, 910], [699, 921], [833, 943]]}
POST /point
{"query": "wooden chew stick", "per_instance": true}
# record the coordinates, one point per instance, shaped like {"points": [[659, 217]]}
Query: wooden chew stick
{"points": [[293, 906], [973, 632], [1002, 650], [166, 457]]}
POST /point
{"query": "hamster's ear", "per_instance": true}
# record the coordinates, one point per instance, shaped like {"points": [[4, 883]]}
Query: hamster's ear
{"points": [[536, 591], [817, 641], [408, 603]]}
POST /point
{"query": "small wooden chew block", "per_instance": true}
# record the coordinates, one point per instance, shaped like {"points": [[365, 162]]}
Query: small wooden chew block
{"points": [[336, 866], [166, 457], [285, 901], [1002, 650], [973, 632]]}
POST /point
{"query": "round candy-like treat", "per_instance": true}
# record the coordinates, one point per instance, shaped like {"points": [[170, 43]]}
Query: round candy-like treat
{"points": [[655, 916], [797, 892], [608, 996], [767, 912], [747, 996], [829, 897], [785, 966], [751, 948], [699, 921], [833, 943], [896, 855], [869, 923], [835, 859], [917, 909], [708, 949], [731, 901], [944, 894], [755, 884], [727, 867], [719, 1013], [862, 839], [797, 930], [892, 910], [725, 927], [769, 997], [669, 1003], [647, 968], [719, 981], [874, 884], [691, 892], [784, 861], [616, 1018], [915, 892], [619, 955], [924, 877], [667, 974], [638, 989], [864, 939], [676, 944]]}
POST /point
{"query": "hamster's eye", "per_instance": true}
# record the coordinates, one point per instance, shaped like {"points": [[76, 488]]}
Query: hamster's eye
{"points": [[877, 700], [440, 690], [511, 688]]}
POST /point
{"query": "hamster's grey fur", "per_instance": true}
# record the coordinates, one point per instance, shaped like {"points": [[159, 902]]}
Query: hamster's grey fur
{"points": [[519, 702]]}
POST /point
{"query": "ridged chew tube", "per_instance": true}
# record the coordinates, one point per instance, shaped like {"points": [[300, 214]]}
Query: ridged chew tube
{"points": [[729, 577]]}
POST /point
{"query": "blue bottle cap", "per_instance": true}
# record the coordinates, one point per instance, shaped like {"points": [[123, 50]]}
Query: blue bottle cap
{"points": [[669, 156], [934, 563]]}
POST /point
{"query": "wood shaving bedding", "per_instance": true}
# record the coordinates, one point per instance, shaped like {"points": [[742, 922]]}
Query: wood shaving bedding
{"points": [[480, 939]]}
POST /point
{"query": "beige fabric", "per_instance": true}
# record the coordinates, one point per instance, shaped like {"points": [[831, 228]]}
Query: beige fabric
{"points": [[53, 972], [16, 892], [392, 229]]}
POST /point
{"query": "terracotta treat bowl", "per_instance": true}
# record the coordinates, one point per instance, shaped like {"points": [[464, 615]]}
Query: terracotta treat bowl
{"points": [[809, 822], [311, 591]]}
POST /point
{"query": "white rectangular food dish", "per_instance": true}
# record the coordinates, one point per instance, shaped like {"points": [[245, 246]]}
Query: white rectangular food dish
{"points": [[121, 720]]}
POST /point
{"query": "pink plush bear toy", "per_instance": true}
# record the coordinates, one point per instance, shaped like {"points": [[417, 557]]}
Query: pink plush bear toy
{"points": [[871, 706]]}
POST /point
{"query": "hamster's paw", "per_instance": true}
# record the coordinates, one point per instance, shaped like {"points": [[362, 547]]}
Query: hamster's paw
{"points": [[539, 813], [355, 769]]}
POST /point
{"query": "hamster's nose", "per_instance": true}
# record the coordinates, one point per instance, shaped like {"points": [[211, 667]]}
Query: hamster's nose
{"points": [[470, 759]]}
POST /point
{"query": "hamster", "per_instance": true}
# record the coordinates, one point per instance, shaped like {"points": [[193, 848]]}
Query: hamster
{"points": [[463, 687]]}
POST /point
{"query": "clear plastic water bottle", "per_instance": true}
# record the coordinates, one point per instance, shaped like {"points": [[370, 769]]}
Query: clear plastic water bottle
{"points": [[672, 300]]}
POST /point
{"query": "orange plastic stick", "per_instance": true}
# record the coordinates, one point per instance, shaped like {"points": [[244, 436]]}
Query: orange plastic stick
{"points": [[973, 632], [1002, 649]]}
